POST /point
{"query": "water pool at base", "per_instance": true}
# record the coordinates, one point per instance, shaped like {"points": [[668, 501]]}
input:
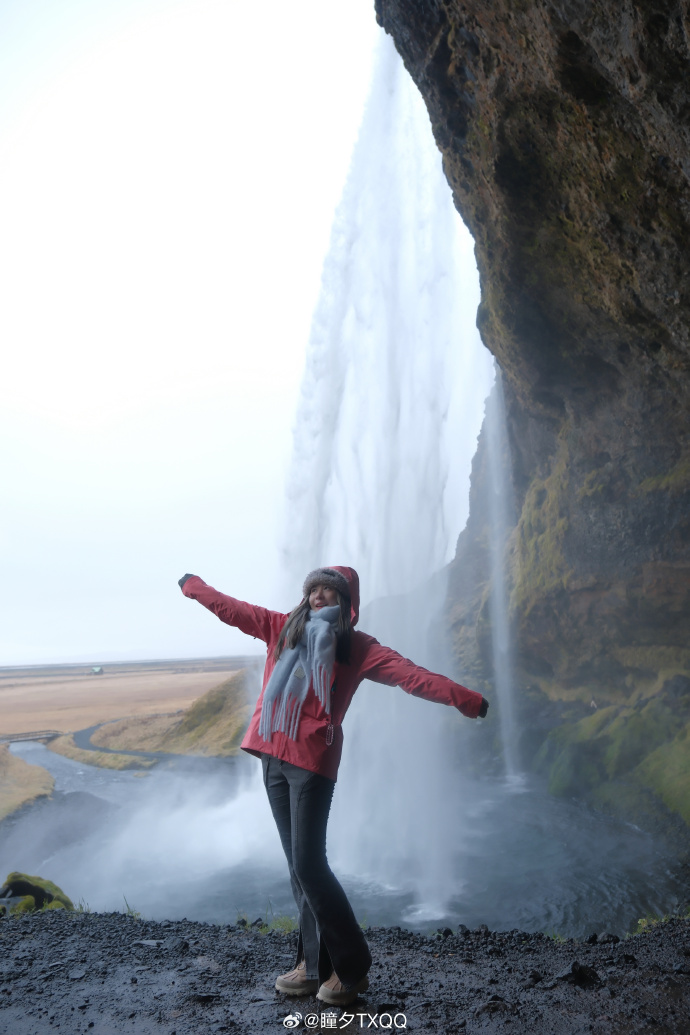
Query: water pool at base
{"points": [[202, 845]]}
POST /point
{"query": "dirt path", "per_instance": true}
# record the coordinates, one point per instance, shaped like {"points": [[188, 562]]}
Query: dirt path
{"points": [[109, 973]]}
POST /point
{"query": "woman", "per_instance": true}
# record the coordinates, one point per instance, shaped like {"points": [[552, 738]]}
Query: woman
{"points": [[316, 660]]}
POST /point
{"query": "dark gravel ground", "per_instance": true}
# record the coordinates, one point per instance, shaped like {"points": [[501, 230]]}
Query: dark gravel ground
{"points": [[110, 973]]}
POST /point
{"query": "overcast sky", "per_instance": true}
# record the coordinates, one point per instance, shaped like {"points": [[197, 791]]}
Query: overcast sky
{"points": [[168, 177], [169, 173]]}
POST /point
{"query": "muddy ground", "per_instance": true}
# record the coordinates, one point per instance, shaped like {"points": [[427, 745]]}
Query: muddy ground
{"points": [[110, 973]]}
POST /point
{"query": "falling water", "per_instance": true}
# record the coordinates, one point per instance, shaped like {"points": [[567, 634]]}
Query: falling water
{"points": [[388, 419], [391, 407], [501, 520]]}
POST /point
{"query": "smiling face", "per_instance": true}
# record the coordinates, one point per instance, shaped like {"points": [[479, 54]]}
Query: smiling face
{"points": [[322, 596]]}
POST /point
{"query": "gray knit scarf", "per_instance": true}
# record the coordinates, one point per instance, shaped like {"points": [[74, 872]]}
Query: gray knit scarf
{"points": [[309, 663]]}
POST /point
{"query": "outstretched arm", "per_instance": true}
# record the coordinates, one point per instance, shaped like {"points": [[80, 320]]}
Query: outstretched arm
{"points": [[384, 665], [250, 619]]}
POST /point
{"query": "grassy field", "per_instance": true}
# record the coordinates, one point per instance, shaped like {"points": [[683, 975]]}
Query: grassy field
{"points": [[70, 698], [213, 725], [195, 707], [20, 782]]}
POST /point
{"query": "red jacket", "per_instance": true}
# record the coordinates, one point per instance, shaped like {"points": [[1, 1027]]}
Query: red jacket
{"points": [[368, 660]]}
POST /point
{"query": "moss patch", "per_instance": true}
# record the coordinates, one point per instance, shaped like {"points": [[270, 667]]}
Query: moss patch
{"points": [[666, 771], [675, 480], [541, 567], [589, 757], [36, 892], [634, 734]]}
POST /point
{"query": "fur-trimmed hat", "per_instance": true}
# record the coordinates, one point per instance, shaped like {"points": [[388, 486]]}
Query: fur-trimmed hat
{"points": [[326, 577]]}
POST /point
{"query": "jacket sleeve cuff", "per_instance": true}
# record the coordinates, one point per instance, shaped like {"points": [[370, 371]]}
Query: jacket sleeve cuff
{"points": [[471, 707], [192, 586]]}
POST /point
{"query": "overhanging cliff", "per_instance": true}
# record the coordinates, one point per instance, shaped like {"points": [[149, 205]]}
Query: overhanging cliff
{"points": [[564, 129]]}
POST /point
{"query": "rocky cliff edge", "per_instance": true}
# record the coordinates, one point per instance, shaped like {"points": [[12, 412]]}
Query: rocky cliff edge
{"points": [[564, 132]]}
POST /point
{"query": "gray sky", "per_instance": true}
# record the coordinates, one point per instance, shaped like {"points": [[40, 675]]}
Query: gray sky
{"points": [[168, 177]]}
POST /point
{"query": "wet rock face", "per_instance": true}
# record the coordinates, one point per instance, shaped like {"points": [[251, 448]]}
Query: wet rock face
{"points": [[565, 129]]}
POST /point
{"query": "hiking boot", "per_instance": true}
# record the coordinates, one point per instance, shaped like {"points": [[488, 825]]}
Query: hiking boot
{"points": [[296, 982], [335, 993]]}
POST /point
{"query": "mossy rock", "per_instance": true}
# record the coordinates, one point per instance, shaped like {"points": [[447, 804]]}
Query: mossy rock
{"points": [[666, 771], [540, 565], [623, 759], [635, 734], [572, 756], [677, 479], [27, 904], [606, 745], [42, 893], [578, 768]]}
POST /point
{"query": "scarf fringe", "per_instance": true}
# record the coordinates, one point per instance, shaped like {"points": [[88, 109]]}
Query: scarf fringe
{"points": [[286, 691]]}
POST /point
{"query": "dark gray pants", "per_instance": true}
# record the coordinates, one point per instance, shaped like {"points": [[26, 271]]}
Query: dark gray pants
{"points": [[330, 939]]}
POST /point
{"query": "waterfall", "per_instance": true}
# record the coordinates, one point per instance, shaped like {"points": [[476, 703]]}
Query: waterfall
{"points": [[388, 418], [501, 509]]}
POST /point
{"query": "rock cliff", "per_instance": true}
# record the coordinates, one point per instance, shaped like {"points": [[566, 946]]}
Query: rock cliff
{"points": [[564, 129]]}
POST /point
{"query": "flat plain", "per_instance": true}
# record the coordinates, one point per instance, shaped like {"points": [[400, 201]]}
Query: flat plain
{"points": [[71, 697]]}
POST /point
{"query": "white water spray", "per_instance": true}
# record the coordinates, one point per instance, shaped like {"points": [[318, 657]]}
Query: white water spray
{"points": [[389, 415], [501, 519]]}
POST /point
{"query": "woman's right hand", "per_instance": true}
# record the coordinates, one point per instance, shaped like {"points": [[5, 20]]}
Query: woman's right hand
{"points": [[181, 582]]}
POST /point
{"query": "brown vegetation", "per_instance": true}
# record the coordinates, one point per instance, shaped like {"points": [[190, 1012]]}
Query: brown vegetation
{"points": [[213, 725], [74, 699], [137, 733], [65, 746], [20, 782]]}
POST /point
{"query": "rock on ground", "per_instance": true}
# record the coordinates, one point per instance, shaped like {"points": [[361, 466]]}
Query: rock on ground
{"points": [[109, 973]]}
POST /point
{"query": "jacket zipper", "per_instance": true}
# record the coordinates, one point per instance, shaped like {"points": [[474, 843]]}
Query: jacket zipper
{"points": [[330, 729]]}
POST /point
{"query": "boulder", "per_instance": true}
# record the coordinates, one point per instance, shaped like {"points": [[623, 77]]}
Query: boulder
{"points": [[34, 893]]}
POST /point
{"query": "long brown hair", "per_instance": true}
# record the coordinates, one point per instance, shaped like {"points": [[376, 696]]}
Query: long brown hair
{"points": [[293, 630]]}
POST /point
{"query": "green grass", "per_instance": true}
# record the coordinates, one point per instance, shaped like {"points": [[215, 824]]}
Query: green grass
{"points": [[285, 924], [274, 922], [651, 920], [666, 771], [129, 911]]}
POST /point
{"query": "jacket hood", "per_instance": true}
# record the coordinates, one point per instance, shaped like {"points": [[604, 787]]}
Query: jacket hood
{"points": [[352, 579], [348, 574]]}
